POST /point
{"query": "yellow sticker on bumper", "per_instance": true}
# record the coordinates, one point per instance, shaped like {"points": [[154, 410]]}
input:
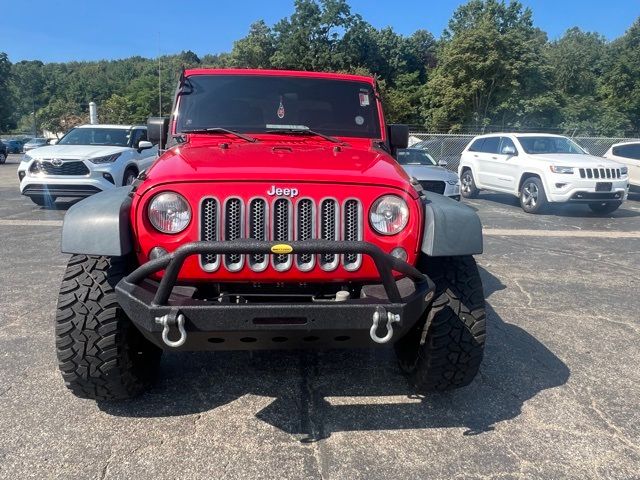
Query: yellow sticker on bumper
{"points": [[281, 248]]}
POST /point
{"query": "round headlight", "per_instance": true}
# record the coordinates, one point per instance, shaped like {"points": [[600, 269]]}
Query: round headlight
{"points": [[169, 212], [389, 215]]}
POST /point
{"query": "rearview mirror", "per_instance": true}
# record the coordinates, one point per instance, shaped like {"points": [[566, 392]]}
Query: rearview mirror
{"points": [[157, 131], [509, 150], [398, 136], [144, 144], [443, 163]]}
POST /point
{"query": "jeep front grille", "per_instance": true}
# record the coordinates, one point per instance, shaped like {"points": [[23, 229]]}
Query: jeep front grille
{"points": [[68, 167], [281, 221], [599, 173]]}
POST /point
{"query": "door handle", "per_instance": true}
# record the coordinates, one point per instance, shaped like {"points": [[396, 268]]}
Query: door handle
{"points": [[495, 158], [475, 155]]}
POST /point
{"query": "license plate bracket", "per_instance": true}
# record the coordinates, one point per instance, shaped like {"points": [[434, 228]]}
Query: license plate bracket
{"points": [[604, 186]]}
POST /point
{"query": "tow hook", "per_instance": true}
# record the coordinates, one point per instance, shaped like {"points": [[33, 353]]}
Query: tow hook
{"points": [[382, 316], [169, 320]]}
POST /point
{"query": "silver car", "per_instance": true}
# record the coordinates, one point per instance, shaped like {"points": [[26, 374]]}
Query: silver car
{"points": [[432, 175]]}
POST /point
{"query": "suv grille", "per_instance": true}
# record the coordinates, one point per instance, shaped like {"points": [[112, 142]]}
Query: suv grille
{"points": [[434, 186], [280, 221], [599, 173], [67, 168]]}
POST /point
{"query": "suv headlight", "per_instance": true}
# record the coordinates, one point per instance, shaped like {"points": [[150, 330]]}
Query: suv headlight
{"points": [[556, 169], [169, 212], [389, 214], [624, 170], [106, 159]]}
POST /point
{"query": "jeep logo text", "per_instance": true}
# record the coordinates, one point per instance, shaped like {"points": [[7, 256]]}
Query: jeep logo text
{"points": [[286, 192]]}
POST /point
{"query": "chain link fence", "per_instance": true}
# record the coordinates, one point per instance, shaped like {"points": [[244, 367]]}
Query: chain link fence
{"points": [[449, 146]]}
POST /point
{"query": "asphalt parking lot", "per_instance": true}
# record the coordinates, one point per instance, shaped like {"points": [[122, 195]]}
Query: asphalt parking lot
{"points": [[558, 395]]}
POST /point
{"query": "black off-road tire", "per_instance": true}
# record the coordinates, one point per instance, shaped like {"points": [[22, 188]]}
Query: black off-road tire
{"points": [[3, 158], [449, 353], [468, 187], [604, 207], [533, 198], [101, 355]]}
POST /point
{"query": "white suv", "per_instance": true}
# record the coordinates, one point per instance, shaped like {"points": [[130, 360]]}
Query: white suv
{"points": [[87, 160], [541, 168], [629, 154]]}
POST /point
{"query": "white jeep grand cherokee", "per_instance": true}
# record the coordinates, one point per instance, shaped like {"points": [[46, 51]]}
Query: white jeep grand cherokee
{"points": [[541, 168], [87, 160]]}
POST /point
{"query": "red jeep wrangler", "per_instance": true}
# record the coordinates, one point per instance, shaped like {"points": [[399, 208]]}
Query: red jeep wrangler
{"points": [[276, 217]]}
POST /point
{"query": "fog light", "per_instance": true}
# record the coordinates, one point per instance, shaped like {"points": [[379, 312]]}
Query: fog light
{"points": [[108, 177], [157, 252], [400, 253], [21, 174]]}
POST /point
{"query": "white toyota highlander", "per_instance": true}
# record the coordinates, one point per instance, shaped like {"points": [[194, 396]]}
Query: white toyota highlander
{"points": [[541, 168], [87, 160]]}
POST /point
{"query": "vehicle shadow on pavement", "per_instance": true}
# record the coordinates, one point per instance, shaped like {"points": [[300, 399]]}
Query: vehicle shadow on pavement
{"points": [[559, 209], [316, 393]]}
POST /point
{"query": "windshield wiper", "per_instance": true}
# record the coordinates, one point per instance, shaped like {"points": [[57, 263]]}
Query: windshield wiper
{"points": [[304, 131], [221, 130]]}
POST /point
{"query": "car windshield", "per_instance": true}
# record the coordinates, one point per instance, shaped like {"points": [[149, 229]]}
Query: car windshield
{"points": [[117, 137], [543, 144], [414, 156], [257, 104]]}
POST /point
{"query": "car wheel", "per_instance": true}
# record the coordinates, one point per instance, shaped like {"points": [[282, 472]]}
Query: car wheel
{"points": [[605, 207], [3, 158], [101, 355], [43, 201], [468, 187], [445, 349], [130, 175], [532, 195]]}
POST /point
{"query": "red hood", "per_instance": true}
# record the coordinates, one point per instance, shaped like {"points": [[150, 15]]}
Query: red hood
{"points": [[280, 161]]}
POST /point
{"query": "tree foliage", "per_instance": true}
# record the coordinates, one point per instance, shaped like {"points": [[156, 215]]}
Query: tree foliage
{"points": [[491, 69]]}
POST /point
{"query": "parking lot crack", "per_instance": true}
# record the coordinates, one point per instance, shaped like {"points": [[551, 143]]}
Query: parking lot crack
{"points": [[528, 295]]}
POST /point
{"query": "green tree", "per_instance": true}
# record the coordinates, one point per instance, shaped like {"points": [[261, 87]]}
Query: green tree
{"points": [[256, 49], [490, 67], [7, 120], [59, 116], [117, 109]]}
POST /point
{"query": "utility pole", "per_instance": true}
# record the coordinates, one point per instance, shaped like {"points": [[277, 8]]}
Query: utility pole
{"points": [[35, 122]]}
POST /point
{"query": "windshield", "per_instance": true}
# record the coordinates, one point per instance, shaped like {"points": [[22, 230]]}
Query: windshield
{"points": [[117, 137], [414, 156], [541, 145], [257, 104]]}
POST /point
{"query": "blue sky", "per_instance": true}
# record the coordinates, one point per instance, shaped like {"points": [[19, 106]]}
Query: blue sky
{"points": [[91, 29]]}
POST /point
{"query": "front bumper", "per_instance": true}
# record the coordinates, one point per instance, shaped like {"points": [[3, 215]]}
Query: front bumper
{"points": [[214, 325], [562, 189]]}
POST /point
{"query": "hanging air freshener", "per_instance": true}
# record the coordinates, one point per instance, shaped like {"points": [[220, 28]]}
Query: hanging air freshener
{"points": [[281, 109]]}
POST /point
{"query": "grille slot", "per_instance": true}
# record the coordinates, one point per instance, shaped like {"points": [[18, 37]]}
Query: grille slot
{"points": [[209, 232], [599, 173], [433, 186], [258, 215], [233, 230], [305, 216], [281, 231], [351, 232], [72, 168], [328, 231]]}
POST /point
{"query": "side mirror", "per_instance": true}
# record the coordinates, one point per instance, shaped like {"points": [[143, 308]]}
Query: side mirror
{"points": [[157, 131], [398, 136], [144, 145], [509, 151], [53, 141], [443, 163]]}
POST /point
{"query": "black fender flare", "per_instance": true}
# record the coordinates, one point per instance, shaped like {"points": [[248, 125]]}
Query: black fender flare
{"points": [[99, 225], [450, 228]]}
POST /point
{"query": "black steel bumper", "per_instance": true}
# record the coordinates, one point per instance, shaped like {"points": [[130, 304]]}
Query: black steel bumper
{"points": [[212, 325]]}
